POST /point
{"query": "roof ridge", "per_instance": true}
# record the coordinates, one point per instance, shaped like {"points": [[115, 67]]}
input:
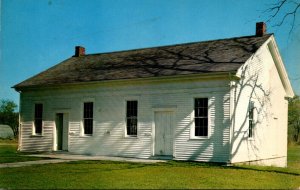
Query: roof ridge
{"points": [[173, 45]]}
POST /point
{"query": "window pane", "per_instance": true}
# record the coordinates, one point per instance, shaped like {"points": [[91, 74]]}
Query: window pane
{"points": [[250, 115], [38, 111], [205, 102], [88, 110], [204, 131], [203, 112], [201, 116], [131, 108], [88, 118], [201, 107], [201, 126], [88, 126], [132, 126], [250, 128], [38, 118], [197, 131], [131, 114], [38, 123]]}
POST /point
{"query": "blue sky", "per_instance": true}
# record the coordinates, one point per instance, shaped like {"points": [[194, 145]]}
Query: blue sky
{"points": [[37, 34]]}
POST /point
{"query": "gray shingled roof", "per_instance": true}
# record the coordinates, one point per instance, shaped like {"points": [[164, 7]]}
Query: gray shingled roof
{"points": [[225, 55]]}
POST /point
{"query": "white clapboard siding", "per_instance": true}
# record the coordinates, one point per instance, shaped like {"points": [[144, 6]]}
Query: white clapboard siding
{"points": [[109, 118], [215, 148], [261, 83], [33, 143]]}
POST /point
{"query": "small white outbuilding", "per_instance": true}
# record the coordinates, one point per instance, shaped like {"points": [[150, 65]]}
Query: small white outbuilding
{"points": [[6, 132], [214, 101]]}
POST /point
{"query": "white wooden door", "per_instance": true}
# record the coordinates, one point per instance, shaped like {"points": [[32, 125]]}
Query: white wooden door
{"points": [[62, 131], [65, 134], [164, 133]]}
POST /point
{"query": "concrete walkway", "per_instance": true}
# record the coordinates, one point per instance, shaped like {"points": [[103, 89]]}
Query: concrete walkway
{"points": [[30, 163], [65, 157], [68, 156]]}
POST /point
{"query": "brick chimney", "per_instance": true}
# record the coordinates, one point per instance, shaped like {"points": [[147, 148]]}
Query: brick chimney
{"points": [[79, 51], [261, 28]]}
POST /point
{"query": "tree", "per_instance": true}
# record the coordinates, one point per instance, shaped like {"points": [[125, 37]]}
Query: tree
{"points": [[284, 11], [294, 119], [9, 116]]}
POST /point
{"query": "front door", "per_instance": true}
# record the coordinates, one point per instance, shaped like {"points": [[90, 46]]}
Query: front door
{"points": [[62, 131], [164, 133], [59, 130]]}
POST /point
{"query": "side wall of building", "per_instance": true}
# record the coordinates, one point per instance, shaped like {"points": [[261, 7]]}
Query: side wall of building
{"points": [[260, 83], [110, 112]]}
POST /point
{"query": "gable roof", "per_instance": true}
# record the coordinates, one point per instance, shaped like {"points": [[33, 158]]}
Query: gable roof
{"points": [[225, 55]]}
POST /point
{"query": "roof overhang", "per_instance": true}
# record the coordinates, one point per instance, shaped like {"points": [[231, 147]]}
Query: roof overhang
{"points": [[182, 78], [272, 45]]}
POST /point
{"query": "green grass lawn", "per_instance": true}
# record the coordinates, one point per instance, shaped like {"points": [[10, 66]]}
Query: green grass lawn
{"points": [[8, 152], [294, 157], [116, 175]]}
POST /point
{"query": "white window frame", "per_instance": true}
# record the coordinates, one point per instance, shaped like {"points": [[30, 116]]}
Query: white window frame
{"points": [[33, 123], [192, 127], [86, 100], [125, 120]]}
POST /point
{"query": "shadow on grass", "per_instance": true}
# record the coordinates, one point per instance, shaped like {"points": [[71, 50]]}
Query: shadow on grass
{"points": [[175, 163], [287, 171], [270, 169], [118, 165]]}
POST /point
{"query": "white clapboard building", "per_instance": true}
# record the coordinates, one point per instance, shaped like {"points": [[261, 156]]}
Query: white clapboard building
{"points": [[213, 101]]}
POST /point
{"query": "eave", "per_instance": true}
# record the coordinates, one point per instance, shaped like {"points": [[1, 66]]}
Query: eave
{"points": [[272, 45], [177, 78]]}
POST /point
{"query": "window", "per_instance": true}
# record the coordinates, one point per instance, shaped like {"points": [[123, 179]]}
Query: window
{"points": [[38, 119], [88, 118], [201, 117], [131, 118], [251, 113]]}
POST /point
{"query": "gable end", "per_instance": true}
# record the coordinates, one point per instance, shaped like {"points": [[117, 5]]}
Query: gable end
{"points": [[280, 67]]}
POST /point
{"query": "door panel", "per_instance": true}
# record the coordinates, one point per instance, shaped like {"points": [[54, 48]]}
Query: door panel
{"points": [[164, 133], [62, 131], [65, 132], [59, 131]]}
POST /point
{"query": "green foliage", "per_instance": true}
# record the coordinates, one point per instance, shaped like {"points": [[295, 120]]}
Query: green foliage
{"points": [[7, 106], [9, 116], [294, 119]]}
